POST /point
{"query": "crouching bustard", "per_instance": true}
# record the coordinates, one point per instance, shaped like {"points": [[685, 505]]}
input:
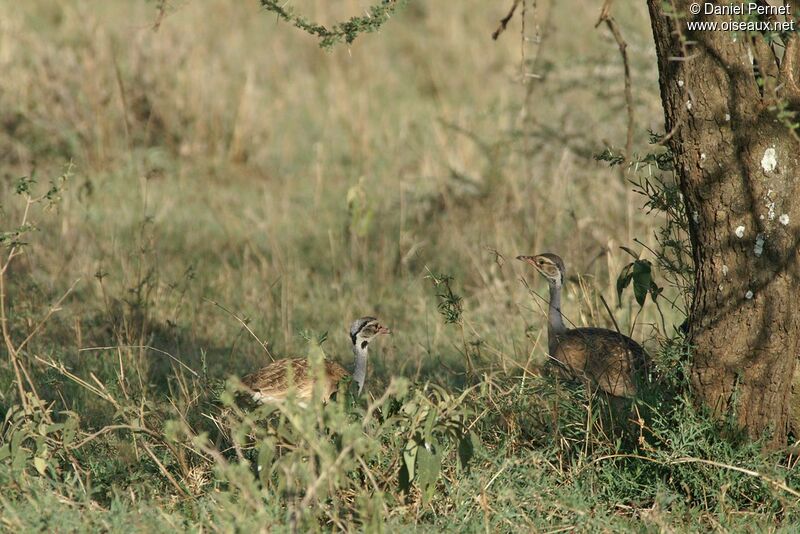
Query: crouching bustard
{"points": [[605, 358], [274, 382]]}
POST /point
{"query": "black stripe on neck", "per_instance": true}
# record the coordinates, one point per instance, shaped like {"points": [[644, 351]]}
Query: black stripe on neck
{"points": [[367, 320], [354, 335]]}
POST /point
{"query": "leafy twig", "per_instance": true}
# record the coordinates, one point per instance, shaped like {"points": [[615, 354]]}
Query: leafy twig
{"points": [[347, 31]]}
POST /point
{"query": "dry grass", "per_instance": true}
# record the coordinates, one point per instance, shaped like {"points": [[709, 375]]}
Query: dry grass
{"points": [[226, 145], [226, 158]]}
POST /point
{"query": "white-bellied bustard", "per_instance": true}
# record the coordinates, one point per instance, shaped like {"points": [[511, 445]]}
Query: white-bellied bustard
{"points": [[605, 358], [274, 382]]}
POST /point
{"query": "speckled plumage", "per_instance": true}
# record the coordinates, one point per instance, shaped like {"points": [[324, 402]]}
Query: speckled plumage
{"points": [[273, 382]]}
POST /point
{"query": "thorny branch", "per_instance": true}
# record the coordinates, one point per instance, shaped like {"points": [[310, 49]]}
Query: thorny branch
{"points": [[611, 23]]}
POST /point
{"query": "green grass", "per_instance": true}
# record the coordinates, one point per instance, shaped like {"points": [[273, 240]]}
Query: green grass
{"points": [[227, 159]]}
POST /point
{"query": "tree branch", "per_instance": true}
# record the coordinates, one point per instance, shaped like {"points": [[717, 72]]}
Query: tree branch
{"points": [[605, 16], [505, 20]]}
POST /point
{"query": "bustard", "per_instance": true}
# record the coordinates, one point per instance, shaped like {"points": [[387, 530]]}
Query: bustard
{"points": [[606, 358], [273, 382]]}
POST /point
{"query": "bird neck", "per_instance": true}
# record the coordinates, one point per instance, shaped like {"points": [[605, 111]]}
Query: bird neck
{"points": [[555, 321], [360, 349]]}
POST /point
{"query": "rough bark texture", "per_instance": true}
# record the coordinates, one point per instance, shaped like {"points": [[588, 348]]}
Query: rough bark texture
{"points": [[739, 171]]}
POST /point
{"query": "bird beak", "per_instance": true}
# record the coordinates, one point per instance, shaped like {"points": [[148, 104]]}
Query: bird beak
{"points": [[383, 330], [528, 259]]}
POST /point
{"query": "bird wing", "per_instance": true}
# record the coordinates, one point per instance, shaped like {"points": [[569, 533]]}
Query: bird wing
{"points": [[607, 358], [273, 382], [334, 371]]}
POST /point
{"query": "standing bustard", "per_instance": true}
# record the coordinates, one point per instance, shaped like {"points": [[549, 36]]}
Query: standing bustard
{"points": [[273, 382], [604, 357]]}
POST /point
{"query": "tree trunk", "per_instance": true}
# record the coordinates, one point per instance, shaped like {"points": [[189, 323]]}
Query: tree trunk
{"points": [[739, 171]]}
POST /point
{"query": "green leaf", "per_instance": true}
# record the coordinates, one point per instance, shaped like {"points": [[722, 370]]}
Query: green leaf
{"points": [[465, 452], [403, 482], [40, 464], [430, 421], [227, 398], [266, 454], [429, 464], [50, 429], [410, 458], [623, 280], [467, 446], [16, 440], [642, 278], [19, 460]]}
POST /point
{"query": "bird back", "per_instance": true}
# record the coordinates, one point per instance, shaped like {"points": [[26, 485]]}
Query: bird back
{"points": [[608, 359], [274, 382]]}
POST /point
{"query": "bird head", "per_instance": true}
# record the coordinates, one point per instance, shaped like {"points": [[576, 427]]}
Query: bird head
{"points": [[549, 265], [363, 330]]}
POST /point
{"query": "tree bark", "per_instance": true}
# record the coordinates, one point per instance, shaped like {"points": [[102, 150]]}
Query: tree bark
{"points": [[739, 171]]}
